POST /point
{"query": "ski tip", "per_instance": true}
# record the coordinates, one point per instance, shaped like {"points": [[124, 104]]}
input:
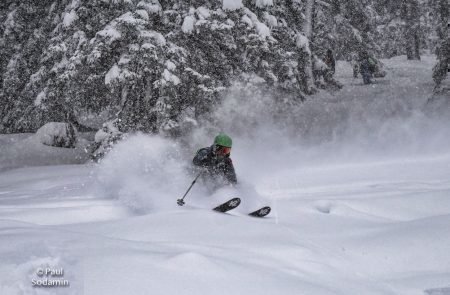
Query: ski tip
{"points": [[264, 211], [228, 205], [234, 202]]}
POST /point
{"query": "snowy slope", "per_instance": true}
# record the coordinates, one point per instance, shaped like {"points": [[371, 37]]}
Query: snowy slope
{"points": [[357, 214]]}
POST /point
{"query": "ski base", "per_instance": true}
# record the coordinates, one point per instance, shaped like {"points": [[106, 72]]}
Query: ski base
{"points": [[264, 211], [228, 205]]}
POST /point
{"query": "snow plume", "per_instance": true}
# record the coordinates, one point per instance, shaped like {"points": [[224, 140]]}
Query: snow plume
{"points": [[249, 115], [273, 133], [146, 173], [357, 124]]}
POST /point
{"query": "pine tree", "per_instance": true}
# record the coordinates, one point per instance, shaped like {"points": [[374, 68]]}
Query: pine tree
{"points": [[442, 67], [411, 15], [160, 66]]}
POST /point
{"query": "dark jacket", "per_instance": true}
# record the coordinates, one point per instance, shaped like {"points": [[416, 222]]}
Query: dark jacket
{"points": [[216, 167]]}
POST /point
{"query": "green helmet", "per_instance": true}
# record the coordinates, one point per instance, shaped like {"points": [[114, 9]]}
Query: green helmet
{"points": [[223, 140]]}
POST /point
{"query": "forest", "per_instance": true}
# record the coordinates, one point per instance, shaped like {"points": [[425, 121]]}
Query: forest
{"points": [[163, 66]]}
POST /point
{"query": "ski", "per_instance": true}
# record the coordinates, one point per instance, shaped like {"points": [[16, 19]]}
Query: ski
{"points": [[228, 205], [264, 211]]}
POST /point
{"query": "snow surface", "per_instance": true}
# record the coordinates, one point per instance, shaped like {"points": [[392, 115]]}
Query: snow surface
{"points": [[360, 205]]}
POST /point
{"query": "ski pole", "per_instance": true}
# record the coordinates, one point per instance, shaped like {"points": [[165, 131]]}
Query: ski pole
{"points": [[180, 202]]}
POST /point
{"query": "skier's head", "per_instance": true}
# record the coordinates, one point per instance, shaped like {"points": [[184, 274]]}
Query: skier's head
{"points": [[222, 144]]}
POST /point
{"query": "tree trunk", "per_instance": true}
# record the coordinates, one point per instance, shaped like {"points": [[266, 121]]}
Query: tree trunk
{"points": [[308, 29], [411, 15]]}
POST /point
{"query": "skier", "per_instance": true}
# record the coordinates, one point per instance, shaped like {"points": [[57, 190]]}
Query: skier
{"points": [[217, 169], [216, 161]]}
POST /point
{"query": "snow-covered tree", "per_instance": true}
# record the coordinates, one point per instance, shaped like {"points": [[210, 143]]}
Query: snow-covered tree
{"points": [[442, 67], [160, 66]]}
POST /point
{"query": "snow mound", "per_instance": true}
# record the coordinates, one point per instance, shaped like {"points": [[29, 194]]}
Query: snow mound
{"points": [[438, 291], [185, 261], [57, 134], [22, 150], [32, 285]]}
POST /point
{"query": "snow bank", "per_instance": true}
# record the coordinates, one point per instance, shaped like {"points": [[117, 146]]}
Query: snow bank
{"points": [[57, 134], [357, 124], [22, 150]]}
